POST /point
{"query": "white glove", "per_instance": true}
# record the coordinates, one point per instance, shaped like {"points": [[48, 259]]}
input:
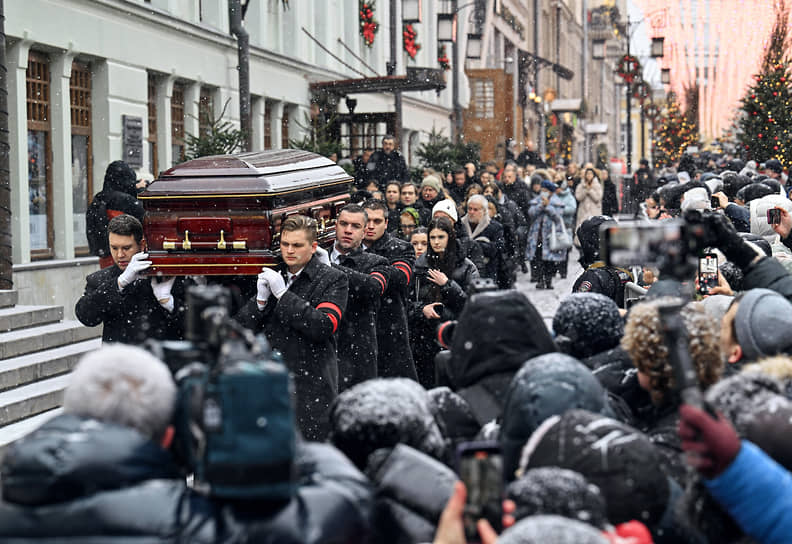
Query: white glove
{"points": [[137, 264], [162, 291], [263, 289], [274, 281], [323, 255]]}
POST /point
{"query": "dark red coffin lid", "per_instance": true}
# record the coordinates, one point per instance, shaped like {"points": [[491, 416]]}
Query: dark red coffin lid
{"points": [[260, 173]]}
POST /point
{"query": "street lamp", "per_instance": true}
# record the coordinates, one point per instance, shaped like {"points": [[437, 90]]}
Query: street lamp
{"points": [[446, 27], [473, 46], [598, 49], [657, 47], [411, 11]]}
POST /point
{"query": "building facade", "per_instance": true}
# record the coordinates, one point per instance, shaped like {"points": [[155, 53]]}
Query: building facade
{"points": [[89, 79]]}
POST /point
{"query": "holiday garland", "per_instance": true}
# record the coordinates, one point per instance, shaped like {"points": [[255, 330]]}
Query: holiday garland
{"points": [[410, 45], [442, 58], [368, 26]]}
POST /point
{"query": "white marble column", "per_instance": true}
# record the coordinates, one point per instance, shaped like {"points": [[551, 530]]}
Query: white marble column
{"points": [[17, 58], [60, 138], [164, 137]]}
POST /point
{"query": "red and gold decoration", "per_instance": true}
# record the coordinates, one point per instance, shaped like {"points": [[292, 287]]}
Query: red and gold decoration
{"points": [[442, 58], [629, 69], [368, 26], [410, 45]]}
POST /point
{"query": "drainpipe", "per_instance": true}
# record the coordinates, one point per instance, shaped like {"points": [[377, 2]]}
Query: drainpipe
{"points": [[243, 51]]}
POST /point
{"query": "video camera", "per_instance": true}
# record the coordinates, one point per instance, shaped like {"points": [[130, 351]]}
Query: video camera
{"points": [[672, 246], [234, 417]]}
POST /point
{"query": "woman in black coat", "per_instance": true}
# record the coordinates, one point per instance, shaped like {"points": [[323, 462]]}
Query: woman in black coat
{"points": [[442, 277]]}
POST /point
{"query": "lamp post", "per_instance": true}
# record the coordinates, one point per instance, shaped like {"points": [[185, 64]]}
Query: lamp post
{"points": [[447, 32]]}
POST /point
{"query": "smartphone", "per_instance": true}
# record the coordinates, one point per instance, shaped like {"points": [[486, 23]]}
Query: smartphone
{"points": [[714, 202], [773, 216], [480, 467], [707, 273], [439, 309]]}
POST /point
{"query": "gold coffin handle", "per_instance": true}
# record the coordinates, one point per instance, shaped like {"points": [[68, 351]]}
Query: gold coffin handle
{"points": [[186, 244], [239, 244], [222, 243], [168, 245]]}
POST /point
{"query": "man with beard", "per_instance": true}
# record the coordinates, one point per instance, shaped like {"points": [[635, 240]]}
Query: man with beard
{"points": [[393, 344], [387, 164], [367, 274]]}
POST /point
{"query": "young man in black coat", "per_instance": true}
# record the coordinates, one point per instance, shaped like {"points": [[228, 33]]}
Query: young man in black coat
{"points": [[387, 164], [300, 316], [132, 308], [368, 275], [393, 339]]}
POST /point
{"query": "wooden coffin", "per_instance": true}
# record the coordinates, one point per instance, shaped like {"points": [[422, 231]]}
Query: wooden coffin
{"points": [[221, 215]]}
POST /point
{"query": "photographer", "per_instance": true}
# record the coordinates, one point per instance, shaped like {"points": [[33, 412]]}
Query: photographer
{"points": [[101, 471], [597, 276]]}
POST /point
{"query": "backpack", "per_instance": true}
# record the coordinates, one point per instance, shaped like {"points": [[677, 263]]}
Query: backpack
{"points": [[96, 223]]}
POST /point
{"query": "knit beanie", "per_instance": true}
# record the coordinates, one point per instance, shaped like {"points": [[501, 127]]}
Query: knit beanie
{"points": [[433, 182], [762, 323], [446, 206]]}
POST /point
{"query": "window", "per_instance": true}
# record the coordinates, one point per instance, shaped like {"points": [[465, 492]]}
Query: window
{"points": [[205, 110], [483, 103], [285, 128], [177, 123], [39, 172], [152, 124], [82, 190], [267, 125]]}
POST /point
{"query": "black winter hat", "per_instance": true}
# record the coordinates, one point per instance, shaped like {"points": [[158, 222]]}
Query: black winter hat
{"points": [[551, 530], [586, 324], [560, 492], [119, 176], [733, 183], [545, 386], [753, 191], [774, 165], [381, 413], [496, 333], [589, 238], [618, 459]]}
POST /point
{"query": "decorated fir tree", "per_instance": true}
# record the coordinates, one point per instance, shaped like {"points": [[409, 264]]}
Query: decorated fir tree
{"points": [[674, 131], [766, 116]]}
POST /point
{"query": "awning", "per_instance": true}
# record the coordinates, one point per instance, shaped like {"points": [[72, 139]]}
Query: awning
{"points": [[596, 128], [417, 79], [566, 104]]}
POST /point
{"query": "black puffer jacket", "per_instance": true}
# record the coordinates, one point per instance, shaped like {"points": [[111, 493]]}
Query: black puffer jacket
{"points": [[496, 333], [80, 480], [452, 295], [412, 490], [118, 196]]}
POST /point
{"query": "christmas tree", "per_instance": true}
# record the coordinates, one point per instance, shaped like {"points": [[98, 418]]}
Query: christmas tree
{"points": [[674, 131], [766, 116]]}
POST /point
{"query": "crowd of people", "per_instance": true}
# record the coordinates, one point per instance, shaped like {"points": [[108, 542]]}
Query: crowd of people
{"points": [[400, 351]]}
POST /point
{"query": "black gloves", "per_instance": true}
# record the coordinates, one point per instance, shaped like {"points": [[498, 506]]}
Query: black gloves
{"points": [[726, 238]]}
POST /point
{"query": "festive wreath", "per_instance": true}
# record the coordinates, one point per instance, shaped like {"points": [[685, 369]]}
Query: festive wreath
{"points": [[442, 58], [368, 26], [410, 45], [629, 68]]}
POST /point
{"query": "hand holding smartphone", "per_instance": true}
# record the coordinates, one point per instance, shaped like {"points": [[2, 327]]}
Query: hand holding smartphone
{"points": [[774, 216], [480, 468], [707, 273]]}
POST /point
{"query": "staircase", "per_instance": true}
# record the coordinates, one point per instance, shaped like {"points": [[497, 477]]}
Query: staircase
{"points": [[38, 349]]}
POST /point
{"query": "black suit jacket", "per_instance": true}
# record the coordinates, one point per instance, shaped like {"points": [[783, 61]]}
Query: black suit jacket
{"points": [[132, 315]]}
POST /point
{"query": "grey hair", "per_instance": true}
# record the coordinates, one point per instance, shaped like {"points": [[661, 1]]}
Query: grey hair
{"points": [[482, 200], [124, 385]]}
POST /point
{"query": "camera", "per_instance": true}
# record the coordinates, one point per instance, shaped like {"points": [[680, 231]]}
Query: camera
{"points": [[672, 246], [234, 418]]}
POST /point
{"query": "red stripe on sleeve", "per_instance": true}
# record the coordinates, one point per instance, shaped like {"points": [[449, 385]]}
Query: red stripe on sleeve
{"points": [[330, 306], [334, 321], [380, 278], [406, 268]]}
